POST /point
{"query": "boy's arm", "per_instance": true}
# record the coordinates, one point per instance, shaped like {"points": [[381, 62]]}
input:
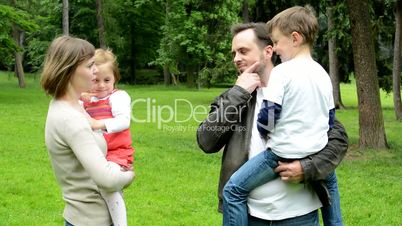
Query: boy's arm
{"points": [[267, 117]]}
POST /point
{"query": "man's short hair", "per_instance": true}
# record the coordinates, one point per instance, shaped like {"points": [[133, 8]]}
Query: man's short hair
{"points": [[260, 30]]}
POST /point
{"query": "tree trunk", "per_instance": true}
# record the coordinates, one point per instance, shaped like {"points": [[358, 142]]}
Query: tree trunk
{"points": [[258, 9], [371, 122], [190, 76], [101, 25], [65, 17], [396, 72], [245, 15], [166, 75], [166, 72], [334, 62], [19, 69], [133, 66]]}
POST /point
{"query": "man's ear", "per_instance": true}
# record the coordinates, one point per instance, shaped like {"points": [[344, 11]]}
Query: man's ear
{"points": [[268, 52]]}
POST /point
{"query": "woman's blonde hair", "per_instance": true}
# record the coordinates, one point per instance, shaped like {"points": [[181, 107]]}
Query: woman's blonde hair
{"points": [[104, 56], [64, 55]]}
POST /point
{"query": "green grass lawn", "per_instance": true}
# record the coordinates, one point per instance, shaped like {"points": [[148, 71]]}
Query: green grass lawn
{"points": [[176, 183]]}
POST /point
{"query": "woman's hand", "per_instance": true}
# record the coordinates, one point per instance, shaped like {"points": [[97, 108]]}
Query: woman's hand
{"points": [[96, 124], [127, 168]]}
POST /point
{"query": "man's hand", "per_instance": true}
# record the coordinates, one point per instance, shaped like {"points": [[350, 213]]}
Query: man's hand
{"points": [[291, 171], [249, 80]]}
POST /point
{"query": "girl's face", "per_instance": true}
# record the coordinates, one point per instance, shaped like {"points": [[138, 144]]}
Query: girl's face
{"points": [[83, 76], [104, 81]]}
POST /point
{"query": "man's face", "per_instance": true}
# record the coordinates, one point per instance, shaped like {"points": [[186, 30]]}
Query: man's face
{"points": [[246, 51]]}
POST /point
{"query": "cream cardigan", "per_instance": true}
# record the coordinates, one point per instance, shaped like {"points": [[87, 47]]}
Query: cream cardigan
{"points": [[78, 158]]}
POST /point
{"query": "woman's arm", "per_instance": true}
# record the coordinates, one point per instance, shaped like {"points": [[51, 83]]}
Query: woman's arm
{"points": [[80, 138]]}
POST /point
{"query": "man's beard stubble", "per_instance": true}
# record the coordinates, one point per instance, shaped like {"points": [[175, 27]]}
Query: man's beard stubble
{"points": [[260, 70]]}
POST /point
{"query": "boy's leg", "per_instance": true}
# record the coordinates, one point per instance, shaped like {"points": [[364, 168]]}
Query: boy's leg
{"points": [[255, 172], [116, 206], [332, 215]]}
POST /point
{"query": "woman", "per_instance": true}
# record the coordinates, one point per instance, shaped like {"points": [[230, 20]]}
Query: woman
{"points": [[77, 153]]}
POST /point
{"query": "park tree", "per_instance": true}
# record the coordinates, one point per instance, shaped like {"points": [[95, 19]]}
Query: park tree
{"points": [[135, 40], [332, 55], [101, 24], [65, 17], [48, 16], [371, 123], [196, 39], [166, 50], [14, 22], [396, 73], [18, 35], [383, 29], [245, 9]]}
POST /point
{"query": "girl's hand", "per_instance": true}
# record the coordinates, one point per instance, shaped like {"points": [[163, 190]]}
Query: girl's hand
{"points": [[86, 97]]}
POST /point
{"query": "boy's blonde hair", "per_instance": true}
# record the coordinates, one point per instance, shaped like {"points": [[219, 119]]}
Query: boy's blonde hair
{"points": [[103, 56], [63, 56], [299, 19]]}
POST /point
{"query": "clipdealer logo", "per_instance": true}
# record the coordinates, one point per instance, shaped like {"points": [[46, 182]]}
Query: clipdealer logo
{"points": [[184, 114], [181, 111]]}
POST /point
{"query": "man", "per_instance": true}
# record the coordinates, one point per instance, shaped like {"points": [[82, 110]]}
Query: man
{"points": [[231, 125]]}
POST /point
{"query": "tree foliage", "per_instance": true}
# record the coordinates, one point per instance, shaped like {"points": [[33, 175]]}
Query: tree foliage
{"points": [[132, 31], [188, 37], [10, 16], [196, 38]]}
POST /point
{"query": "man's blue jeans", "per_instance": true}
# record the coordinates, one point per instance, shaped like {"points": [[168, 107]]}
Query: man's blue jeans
{"points": [[310, 219], [68, 223], [331, 215], [255, 172]]}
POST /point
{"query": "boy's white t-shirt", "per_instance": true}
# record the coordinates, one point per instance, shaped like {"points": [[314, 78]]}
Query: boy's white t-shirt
{"points": [[304, 90], [277, 200]]}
